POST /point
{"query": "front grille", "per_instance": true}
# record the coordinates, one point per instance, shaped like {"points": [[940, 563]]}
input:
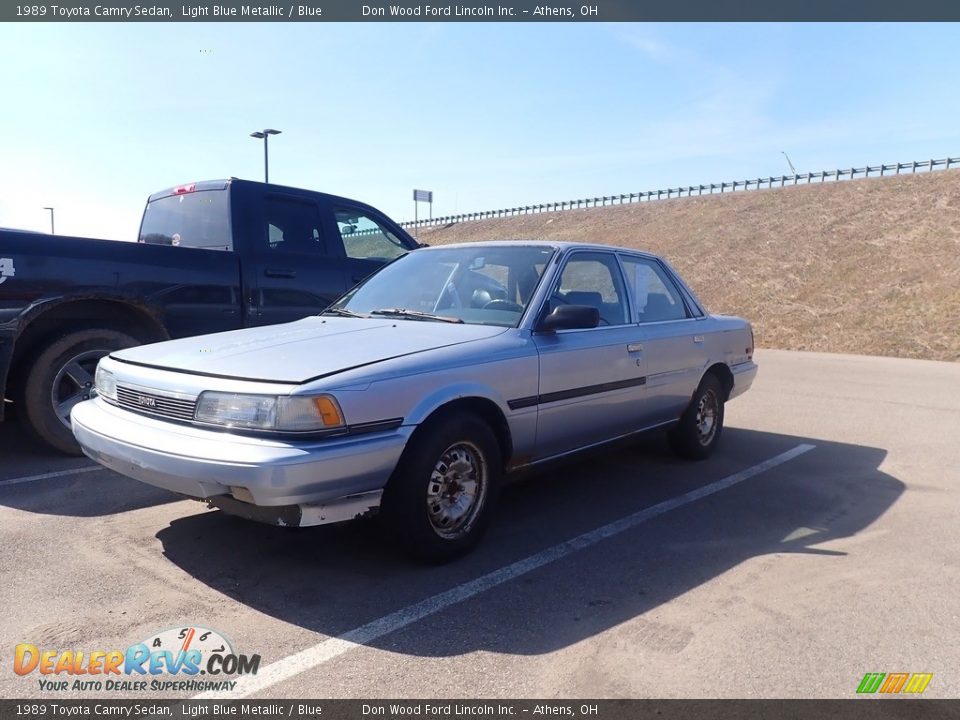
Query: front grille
{"points": [[153, 404]]}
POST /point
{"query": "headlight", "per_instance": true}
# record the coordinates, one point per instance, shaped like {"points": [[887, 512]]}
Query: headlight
{"points": [[105, 383], [269, 412]]}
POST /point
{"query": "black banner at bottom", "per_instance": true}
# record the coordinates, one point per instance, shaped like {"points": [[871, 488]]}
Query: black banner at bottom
{"points": [[854, 709]]}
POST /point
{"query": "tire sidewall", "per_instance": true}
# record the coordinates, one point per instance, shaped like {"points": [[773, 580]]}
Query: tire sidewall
{"points": [[39, 415], [404, 505], [685, 437]]}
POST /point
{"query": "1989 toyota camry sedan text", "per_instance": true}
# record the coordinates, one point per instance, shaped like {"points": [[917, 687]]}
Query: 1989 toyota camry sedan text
{"points": [[419, 389]]}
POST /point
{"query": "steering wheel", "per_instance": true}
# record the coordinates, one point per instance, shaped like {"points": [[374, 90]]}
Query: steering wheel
{"points": [[503, 305]]}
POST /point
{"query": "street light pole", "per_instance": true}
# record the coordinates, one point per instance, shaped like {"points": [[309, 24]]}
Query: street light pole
{"points": [[266, 159], [51, 220]]}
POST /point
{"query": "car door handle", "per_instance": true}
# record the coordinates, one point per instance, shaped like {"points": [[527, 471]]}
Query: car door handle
{"points": [[698, 338], [634, 347], [280, 273]]}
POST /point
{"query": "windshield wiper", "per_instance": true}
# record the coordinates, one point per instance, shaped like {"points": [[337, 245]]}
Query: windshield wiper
{"points": [[344, 312], [415, 315]]}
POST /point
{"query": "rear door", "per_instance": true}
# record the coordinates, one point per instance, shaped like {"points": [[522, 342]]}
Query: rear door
{"points": [[671, 334]]}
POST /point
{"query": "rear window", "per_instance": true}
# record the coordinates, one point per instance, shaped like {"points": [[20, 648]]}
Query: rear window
{"points": [[194, 219]]}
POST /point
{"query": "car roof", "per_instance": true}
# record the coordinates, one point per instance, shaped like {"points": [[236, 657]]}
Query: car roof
{"points": [[202, 185], [561, 245]]}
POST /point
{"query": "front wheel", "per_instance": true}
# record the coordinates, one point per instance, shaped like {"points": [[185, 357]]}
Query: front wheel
{"points": [[698, 433], [61, 377], [439, 500]]}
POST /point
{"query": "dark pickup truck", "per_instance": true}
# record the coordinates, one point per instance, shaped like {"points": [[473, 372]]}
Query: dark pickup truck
{"points": [[247, 254]]}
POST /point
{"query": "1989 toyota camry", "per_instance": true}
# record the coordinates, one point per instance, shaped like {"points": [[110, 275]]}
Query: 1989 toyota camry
{"points": [[420, 388]]}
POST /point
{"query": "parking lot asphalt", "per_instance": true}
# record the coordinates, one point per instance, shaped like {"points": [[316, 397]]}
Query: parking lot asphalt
{"points": [[818, 544]]}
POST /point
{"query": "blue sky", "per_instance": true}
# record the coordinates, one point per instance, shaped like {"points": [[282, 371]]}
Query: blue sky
{"points": [[97, 116]]}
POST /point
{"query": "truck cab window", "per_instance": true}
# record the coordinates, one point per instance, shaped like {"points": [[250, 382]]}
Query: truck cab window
{"points": [[364, 237], [293, 227]]}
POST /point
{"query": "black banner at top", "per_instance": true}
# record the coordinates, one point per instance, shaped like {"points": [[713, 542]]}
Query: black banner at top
{"points": [[493, 11]]}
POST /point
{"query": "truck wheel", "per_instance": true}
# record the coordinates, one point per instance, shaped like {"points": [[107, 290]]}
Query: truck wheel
{"points": [[700, 426], [439, 500], [62, 376]]}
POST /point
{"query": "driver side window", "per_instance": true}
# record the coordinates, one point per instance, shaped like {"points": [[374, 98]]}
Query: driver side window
{"points": [[594, 279], [365, 238]]}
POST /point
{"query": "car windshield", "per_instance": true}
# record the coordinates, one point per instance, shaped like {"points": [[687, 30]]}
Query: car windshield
{"points": [[482, 285]]}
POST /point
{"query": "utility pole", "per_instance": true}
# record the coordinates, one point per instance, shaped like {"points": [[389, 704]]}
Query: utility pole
{"points": [[52, 232]]}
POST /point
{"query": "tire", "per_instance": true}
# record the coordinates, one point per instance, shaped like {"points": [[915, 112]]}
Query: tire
{"points": [[62, 376], [419, 512], [697, 435]]}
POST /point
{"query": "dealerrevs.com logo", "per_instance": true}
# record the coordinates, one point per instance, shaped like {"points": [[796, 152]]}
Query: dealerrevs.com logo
{"points": [[188, 658]]}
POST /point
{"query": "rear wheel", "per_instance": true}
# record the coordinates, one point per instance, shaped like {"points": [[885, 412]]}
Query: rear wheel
{"points": [[62, 376], [438, 502], [698, 433]]}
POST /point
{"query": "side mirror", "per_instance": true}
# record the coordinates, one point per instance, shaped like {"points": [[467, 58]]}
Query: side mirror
{"points": [[570, 317]]}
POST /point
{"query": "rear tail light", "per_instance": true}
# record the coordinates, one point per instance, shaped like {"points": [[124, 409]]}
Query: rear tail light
{"points": [[183, 189]]}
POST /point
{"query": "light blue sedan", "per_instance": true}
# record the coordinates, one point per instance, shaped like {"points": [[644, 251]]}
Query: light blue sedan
{"points": [[419, 390]]}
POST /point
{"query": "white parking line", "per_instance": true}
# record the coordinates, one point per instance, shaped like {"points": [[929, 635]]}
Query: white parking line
{"points": [[320, 653], [46, 476]]}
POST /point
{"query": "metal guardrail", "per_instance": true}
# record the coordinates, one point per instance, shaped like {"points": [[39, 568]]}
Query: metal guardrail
{"points": [[691, 190]]}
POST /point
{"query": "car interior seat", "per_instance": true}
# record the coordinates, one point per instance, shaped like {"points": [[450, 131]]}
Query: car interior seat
{"points": [[611, 313], [298, 238], [585, 297], [659, 308], [527, 281]]}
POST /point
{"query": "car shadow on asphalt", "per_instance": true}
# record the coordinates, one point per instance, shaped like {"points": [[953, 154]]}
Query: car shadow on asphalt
{"points": [[336, 578], [85, 494], [99, 493]]}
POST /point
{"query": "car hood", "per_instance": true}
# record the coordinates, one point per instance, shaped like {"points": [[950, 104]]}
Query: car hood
{"points": [[308, 349]]}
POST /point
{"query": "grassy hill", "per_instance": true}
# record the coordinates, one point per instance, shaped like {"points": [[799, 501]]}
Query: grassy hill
{"points": [[868, 266]]}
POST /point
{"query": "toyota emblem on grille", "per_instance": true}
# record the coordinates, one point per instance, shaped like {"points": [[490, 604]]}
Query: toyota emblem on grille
{"points": [[145, 401]]}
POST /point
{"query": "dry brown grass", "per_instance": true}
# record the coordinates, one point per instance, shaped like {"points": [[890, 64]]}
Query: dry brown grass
{"points": [[869, 266]]}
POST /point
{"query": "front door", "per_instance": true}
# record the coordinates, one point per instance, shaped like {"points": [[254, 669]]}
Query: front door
{"points": [[297, 274], [591, 380]]}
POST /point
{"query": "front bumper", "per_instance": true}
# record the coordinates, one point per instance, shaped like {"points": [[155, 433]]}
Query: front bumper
{"points": [[206, 464]]}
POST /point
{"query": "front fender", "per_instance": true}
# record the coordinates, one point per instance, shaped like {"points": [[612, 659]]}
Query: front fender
{"points": [[447, 394], [521, 424]]}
